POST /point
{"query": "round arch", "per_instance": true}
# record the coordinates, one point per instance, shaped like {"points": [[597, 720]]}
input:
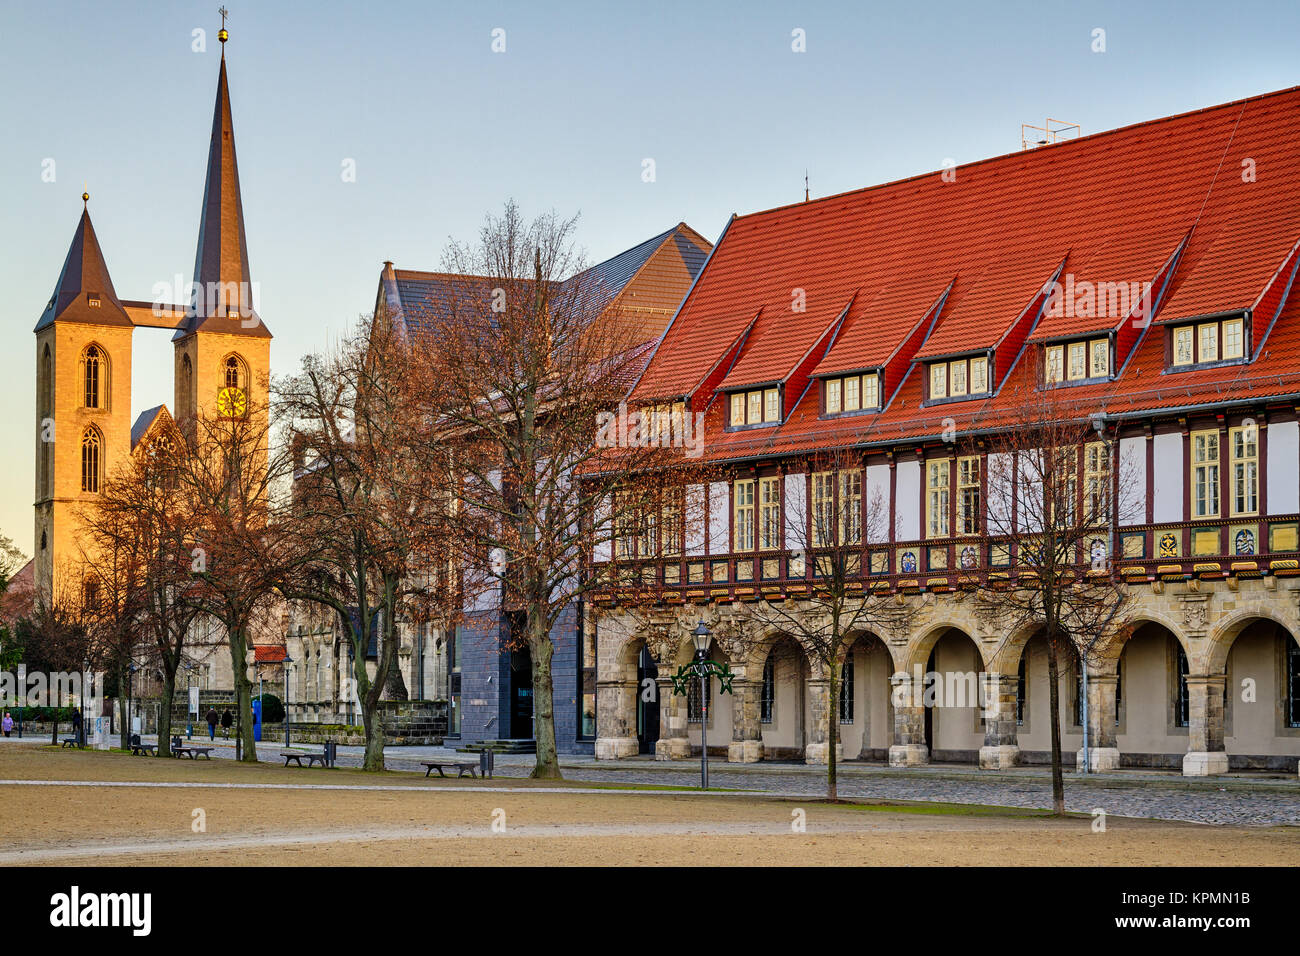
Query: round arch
{"points": [[1226, 633]]}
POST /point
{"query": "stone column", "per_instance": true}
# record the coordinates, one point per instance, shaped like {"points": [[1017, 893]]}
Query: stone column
{"points": [[1103, 752], [673, 744], [746, 728], [1001, 747], [817, 748], [1205, 753], [909, 748], [616, 719]]}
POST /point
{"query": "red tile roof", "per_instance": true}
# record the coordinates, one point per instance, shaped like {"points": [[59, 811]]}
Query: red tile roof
{"points": [[268, 653], [1108, 208]]}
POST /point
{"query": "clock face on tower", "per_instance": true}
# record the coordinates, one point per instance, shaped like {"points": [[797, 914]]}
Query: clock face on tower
{"points": [[232, 402]]}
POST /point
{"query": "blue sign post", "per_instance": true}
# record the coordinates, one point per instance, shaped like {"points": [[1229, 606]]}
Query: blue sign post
{"points": [[257, 719]]}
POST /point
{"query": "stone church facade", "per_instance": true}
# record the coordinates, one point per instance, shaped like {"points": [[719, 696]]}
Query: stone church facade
{"points": [[84, 429]]}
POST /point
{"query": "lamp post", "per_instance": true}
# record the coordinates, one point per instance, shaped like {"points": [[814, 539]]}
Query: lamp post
{"points": [[130, 678], [189, 714], [702, 637], [288, 662], [22, 696], [85, 683]]}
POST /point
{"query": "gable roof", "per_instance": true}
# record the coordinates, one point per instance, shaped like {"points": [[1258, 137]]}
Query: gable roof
{"points": [[1171, 199], [146, 421]]}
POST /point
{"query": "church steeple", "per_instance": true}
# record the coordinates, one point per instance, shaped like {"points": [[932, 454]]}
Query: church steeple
{"points": [[222, 300], [84, 292]]}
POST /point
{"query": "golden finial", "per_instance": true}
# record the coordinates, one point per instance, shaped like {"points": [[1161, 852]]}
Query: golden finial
{"points": [[85, 198], [223, 34]]}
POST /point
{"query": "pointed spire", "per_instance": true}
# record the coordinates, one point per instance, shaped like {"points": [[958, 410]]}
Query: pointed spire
{"points": [[223, 299], [84, 292]]}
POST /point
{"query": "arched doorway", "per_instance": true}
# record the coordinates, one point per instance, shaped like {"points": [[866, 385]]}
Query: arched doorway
{"points": [[647, 701], [707, 707], [1261, 696], [783, 704], [954, 730], [866, 708], [1151, 698], [1033, 701]]}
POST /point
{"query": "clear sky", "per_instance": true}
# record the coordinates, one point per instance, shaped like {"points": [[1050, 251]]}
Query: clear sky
{"points": [[442, 130]]}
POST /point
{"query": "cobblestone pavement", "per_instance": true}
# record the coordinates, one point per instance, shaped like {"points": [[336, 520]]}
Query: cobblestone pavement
{"points": [[1236, 800]]}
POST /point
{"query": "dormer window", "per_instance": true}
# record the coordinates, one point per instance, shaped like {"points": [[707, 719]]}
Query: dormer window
{"points": [[959, 378], [1077, 361], [92, 299], [846, 394], [1202, 343], [760, 406]]}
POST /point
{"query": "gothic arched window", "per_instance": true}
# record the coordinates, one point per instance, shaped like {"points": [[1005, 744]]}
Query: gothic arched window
{"points": [[235, 377], [92, 374], [90, 460]]}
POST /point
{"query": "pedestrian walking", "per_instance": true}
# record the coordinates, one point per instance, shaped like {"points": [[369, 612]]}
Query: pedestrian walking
{"points": [[7, 724], [227, 721], [212, 723]]}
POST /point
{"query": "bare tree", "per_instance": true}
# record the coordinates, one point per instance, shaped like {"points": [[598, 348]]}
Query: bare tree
{"points": [[143, 515], [1054, 487], [239, 553], [532, 360], [371, 516]]}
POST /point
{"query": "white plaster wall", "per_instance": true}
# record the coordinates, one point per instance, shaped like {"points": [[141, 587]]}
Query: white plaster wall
{"points": [[907, 501], [1132, 481], [1148, 687], [796, 510], [957, 728], [1167, 466], [694, 519], [1283, 481], [1036, 731], [719, 519], [1258, 727]]}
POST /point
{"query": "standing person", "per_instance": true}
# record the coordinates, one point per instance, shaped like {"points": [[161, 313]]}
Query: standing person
{"points": [[7, 724], [212, 723], [227, 721], [76, 724]]}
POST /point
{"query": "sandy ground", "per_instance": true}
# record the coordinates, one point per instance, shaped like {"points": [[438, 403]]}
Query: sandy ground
{"points": [[265, 815]]}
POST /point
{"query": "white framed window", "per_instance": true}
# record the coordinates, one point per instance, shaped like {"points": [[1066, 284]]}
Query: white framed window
{"points": [[771, 405], [871, 391], [979, 376], [769, 523], [823, 495], [832, 396], [755, 413], [851, 507], [1208, 342], [1244, 464], [1233, 339], [939, 380], [938, 472], [738, 408], [1078, 362], [1098, 358], [1096, 482], [852, 395], [1055, 363], [1205, 474], [757, 407], [957, 374], [1183, 346], [968, 495], [743, 538]]}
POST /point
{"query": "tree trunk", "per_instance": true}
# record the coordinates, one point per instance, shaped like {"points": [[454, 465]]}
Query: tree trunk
{"points": [[832, 735], [122, 710], [165, 716], [238, 641], [372, 715], [54, 715], [541, 650], [1054, 702]]}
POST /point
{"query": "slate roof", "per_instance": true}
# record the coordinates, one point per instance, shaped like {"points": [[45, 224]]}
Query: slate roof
{"points": [[1169, 199], [144, 422], [84, 274]]}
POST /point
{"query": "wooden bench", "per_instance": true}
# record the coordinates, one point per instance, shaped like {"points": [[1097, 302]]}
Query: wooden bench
{"points": [[461, 766], [69, 741], [192, 752], [298, 757], [145, 750]]}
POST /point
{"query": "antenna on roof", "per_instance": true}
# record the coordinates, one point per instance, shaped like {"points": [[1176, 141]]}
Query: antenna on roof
{"points": [[1051, 132], [805, 185]]}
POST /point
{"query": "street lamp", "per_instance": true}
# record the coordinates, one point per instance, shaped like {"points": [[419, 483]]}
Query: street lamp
{"points": [[22, 696], [85, 681], [126, 729], [189, 696], [702, 637], [288, 662]]}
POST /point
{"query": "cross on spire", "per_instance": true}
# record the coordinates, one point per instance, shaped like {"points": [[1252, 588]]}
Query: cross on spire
{"points": [[224, 34]]}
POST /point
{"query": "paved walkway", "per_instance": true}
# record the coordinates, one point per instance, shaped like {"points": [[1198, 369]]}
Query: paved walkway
{"points": [[1238, 799]]}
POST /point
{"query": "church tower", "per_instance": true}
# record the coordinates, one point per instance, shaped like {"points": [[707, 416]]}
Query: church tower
{"points": [[83, 398], [222, 349]]}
